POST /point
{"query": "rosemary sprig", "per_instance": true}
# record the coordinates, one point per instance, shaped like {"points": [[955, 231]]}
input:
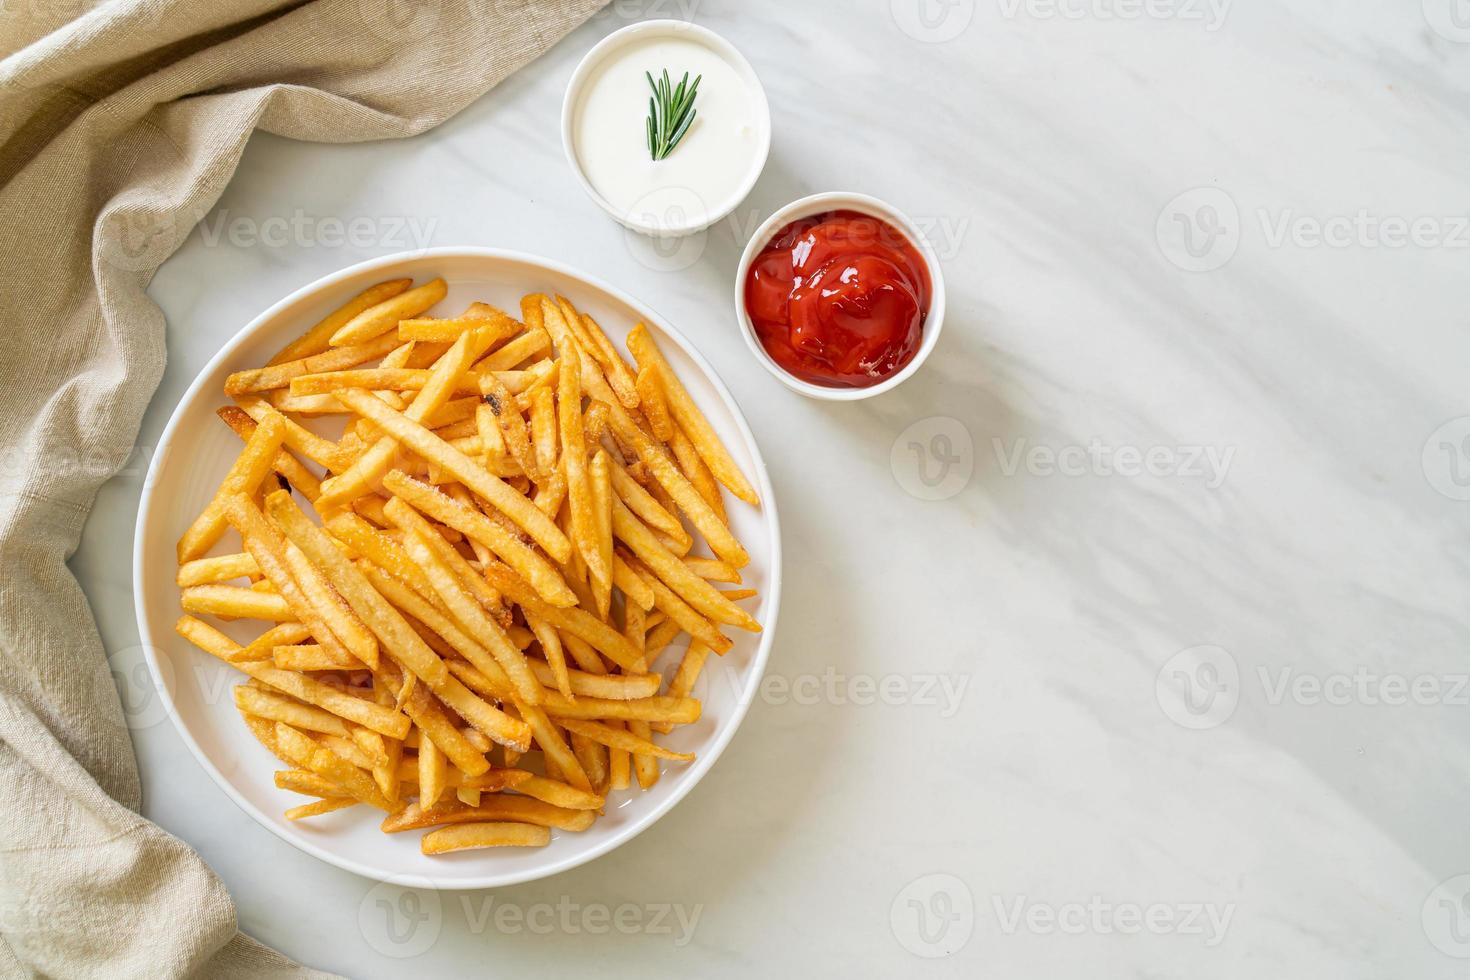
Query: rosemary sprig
{"points": [[670, 112]]}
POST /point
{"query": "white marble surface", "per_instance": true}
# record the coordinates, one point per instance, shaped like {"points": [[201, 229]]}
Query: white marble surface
{"points": [[1030, 631]]}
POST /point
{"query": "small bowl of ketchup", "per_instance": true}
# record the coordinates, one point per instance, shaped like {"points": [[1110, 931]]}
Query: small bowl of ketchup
{"points": [[840, 296]]}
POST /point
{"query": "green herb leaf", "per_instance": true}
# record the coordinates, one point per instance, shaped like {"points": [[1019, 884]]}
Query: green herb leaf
{"points": [[670, 112]]}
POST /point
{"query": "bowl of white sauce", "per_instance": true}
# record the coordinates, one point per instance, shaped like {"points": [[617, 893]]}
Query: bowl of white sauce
{"points": [[718, 155]]}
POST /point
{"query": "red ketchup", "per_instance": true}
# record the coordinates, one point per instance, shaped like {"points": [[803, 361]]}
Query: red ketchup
{"points": [[839, 299]]}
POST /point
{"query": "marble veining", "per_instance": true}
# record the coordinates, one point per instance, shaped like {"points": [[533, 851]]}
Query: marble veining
{"points": [[1128, 638]]}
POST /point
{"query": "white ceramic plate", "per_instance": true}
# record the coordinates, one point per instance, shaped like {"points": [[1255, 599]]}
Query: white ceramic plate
{"points": [[194, 454]]}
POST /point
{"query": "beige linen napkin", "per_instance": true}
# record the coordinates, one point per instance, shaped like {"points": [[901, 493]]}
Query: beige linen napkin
{"points": [[119, 125]]}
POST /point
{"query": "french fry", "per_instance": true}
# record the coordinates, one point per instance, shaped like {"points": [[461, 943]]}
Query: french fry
{"points": [[274, 707], [574, 462], [334, 612], [648, 509], [474, 476], [310, 656], [721, 541], [268, 548], [517, 352], [319, 807], [327, 764], [378, 320], [599, 482], [713, 570], [558, 793], [298, 438], [697, 472], [513, 431], [432, 770], [448, 330], [623, 739], [288, 467], [519, 809], [280, 374], [685, 677], [466, 836], [381, 550], [555, 748], [690, 418], [537, 571], [317, 339], [368, 468], [395, 635], [300, 781], [462, 606], [694, 590], [210, 571], [235, 602], [645, 767], [244, 477], [651, 400], [577, 622]]}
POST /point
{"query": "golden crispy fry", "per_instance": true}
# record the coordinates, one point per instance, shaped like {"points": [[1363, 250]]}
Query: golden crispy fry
{"points": [[645, 767], [574, 462], [461, 605], [311, 656], [623, 739], [265, 704], [473, 835], [690, 418], [384, 317], [319, 807], [513, 431], [279, 375], [222, 568], [697, 472], [713, 570], [690, 587], [318, 338], [520, 809], [432, 771], [298, 438], [449, 330], [312, 757], [245, 476], [723, 543], [381, 550], [577, 622], [516, 353], [287, 467], [646, 506], [600, 483], [558, 793], [651, 400], [333, 610], [396, 636], [513, 504], [236, 603]]}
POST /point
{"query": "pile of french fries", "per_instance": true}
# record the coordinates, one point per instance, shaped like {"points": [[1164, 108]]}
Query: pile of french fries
{"points": [[505, 539]]}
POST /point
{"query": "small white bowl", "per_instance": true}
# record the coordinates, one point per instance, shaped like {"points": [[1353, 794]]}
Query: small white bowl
{"points": [[841, 201], [707, 213]]}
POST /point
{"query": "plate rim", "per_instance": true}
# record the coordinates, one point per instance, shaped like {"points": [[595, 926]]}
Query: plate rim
{"points": [[707, 758]]}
